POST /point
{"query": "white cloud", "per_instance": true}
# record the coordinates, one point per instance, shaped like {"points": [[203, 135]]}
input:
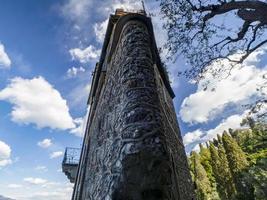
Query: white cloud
{"points": [[79, 95], [231, 122], [196, 148], [255, 56], [59, 170], [128, 5], [76, 10], [56, 154], [202, 136], [45, 143], [55, 193], [5, 61], [241, 85], [84, 55], [110, 7], [39, 189], [81, 124], [74, 71], [36, 101], [79, 127], [100, 30], [35, 181], [192, 137], [41, 168], [79, 11], [5, 153], [14, 186]]}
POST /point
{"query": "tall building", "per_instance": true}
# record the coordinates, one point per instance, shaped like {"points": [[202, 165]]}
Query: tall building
{"points": [[132, 148]]}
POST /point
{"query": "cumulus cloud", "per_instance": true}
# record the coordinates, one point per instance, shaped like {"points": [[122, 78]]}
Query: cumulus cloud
{"points": [[128, 5], [41, 168], [5, 198], [5, 154], [192, 139], [37, 101], [76, 10], [196, 148], [45, 143], [74, 71], [110, 7], [15, 186], [79, 128], [5, 61], [81, 124], [240, 86], [84, 55], [56, 154], [79, 95], [100, 30], [41, 189], [78, 13], [35, 181], [62, 192]]}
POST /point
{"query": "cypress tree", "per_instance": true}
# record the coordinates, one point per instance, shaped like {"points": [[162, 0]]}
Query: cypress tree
{"points": [[222, 174], [231, 131], [205, 160], [200, 177], [215, 142], [226, 173], [215, 163], [219, 138], [238, 165]]}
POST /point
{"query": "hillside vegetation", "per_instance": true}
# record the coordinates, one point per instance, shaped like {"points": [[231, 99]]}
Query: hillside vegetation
{"points": [[233, 166]]}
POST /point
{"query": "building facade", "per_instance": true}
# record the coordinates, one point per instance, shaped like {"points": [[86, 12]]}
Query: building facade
{"points": [[132, 147]]}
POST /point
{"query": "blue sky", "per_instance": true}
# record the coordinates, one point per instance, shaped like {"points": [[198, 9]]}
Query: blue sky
{"points": [[48, 50]]}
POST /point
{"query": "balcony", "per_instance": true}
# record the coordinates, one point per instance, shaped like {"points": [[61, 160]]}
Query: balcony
{"points": [[70, 163]]}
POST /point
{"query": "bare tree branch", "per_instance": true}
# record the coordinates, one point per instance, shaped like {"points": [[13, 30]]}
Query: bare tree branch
{"points": [[194, 33], [254, 35], [252, 50]]}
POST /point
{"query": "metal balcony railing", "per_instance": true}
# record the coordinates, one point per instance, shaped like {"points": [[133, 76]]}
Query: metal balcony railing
{"points": [[71, 156], [70, 163]]}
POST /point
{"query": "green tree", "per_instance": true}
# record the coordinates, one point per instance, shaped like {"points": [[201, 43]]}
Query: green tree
{"points": [[225, 169], [258, 178], [200, 177], [205, 160], [222, 172], [219, 138], [238, 165]]}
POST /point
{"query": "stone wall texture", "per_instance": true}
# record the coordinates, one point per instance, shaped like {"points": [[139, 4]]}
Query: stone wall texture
{"points": [[133, 148]]}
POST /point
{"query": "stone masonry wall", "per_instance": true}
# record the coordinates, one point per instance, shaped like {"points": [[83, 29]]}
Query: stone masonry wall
{"points": [[135, 151]]}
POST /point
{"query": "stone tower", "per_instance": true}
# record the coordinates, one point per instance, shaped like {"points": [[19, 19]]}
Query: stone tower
{"points": [[132, 148]]}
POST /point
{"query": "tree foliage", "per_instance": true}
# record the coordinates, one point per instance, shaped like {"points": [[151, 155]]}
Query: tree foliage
{"points": [[236, 157], [200, 177], [205, 160], [239, 165], [222, 172]]}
